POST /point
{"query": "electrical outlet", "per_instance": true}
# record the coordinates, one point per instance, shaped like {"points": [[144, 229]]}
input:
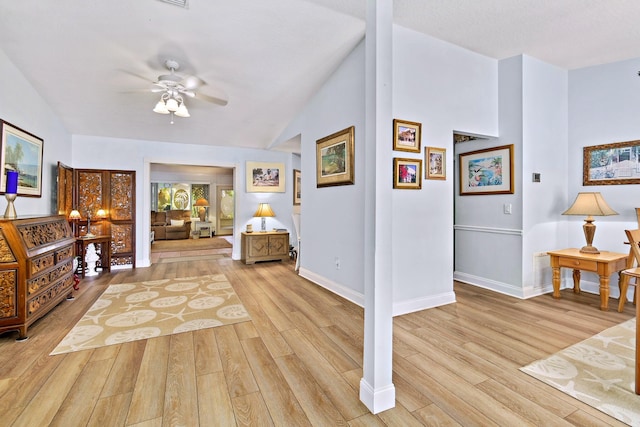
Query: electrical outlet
{"points": [[337, 263]]}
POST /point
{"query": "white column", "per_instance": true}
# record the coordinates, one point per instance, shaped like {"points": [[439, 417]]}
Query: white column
{"points": [[377, 391]]}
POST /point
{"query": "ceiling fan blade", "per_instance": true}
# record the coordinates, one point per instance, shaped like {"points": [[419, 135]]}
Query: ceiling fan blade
{"points": [[136, 75], [189, 93], [212, 99]]}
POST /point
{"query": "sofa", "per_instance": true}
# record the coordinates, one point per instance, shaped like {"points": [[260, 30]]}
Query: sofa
{"points": [[171, 225]]}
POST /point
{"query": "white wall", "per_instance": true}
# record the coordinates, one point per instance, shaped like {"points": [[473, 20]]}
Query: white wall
{"points": [[604, 107], [23, 107], [140, 155]]}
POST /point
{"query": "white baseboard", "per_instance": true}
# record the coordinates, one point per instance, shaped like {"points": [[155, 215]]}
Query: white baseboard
{"points": [[346, 293], [377, 400], [493, 285], [418, 304]]}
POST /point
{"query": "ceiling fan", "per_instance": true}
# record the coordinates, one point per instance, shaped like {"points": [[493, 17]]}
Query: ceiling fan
{"points": [[173, 87]]}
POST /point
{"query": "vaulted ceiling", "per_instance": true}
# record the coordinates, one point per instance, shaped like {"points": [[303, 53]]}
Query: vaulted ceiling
{"points": [[94, 61]]}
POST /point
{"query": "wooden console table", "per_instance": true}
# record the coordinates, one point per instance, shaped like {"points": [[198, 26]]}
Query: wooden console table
{"points": [[105, 251], [604, 264], [264, 246]]}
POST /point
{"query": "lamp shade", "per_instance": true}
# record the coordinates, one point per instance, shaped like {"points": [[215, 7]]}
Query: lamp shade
{"points": [[74, 214], [101, 214], [161, 108], [202, 202], [590, 204], [264, 210]]}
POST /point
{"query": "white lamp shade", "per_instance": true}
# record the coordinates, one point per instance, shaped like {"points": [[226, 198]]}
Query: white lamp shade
{"points": [[182, 111], [590, 204], [172, 105], [160, 108]]}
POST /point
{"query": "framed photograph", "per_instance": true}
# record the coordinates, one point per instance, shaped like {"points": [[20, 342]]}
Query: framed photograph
{"points": [[265, 177], [21, 152], [406, 136], [611, 164], [407, 174], [335, 159], [436, 163], [297, 185], [488, 171]]}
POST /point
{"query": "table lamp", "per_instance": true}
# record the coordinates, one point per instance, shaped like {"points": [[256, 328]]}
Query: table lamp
{"points": [[74, 216], [202, 203], [589, 204], [11, 192], [264, 210]]}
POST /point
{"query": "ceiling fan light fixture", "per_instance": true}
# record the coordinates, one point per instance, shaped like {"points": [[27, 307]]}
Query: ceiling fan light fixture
{"points": [[172, 105], [160, 108], [182, 111]]}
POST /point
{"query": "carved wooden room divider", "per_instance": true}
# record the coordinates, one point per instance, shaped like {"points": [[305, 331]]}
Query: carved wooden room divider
{"points": [[90, 190]]}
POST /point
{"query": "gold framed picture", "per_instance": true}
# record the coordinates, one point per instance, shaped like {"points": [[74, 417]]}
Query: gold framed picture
{"points": [[406, 136], [407, 174], [435, 159], [488, 171], [297, 186], [335, 159], [265, 177]]}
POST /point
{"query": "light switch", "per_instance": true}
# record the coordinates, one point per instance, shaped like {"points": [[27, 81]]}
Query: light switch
{"points": [[507, 208]]}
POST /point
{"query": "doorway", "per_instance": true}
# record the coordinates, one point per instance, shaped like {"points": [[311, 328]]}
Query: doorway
{"points": [[225, 212]]}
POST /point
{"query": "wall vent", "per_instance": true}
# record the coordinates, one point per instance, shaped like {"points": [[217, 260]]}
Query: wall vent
{"points": [[181, 3], [542, 273]]}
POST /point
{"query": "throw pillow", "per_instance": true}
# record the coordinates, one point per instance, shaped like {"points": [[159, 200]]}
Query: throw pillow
{"points": [[177, 222]]}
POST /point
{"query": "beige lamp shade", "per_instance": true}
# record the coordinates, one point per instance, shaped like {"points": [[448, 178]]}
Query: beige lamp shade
{"points": [[101, 214], [264, 210], [202, 203], [590, 204], [74, 214]]}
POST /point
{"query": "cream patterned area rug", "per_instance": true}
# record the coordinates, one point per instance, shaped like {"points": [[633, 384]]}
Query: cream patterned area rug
{"points": [[598, 371], [137, 311]]}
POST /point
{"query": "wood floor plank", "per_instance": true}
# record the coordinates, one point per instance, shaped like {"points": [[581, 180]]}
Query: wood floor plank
{"points": [[214, 403], [250, 410], [122, 377], [280, 400], [181, 382], [148, 395], [111, 411], [240, 380]]}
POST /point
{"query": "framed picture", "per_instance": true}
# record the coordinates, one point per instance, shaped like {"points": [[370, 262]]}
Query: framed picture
{"points": [[436, 163], [297, 185], [488, 171], [265, 177], [335, 159], [21, 152], [406, 136], [610, 164], [407, 174]]}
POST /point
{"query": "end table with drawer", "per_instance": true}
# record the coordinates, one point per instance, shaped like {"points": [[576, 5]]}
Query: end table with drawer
{"points": [[604, 264]]}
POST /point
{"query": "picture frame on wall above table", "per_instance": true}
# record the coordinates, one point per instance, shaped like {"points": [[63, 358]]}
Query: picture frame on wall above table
{"points": [[21, 151], [488, 171], [265, 177], [407, 174], [406, 136], [611, 164], [335, 159], [436, 163], [297, 187]]}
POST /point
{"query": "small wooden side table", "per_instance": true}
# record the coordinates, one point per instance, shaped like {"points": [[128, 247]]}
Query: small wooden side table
{"points": [[105, 251], [604, 264]]}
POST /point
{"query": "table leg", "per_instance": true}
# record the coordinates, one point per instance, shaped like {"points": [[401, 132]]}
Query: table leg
{"points": [[637, 346], [576, 281], [604, 293], [556, 282]]}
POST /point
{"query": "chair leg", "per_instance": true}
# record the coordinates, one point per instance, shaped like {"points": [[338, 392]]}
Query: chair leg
{"points": [[624, 285]]}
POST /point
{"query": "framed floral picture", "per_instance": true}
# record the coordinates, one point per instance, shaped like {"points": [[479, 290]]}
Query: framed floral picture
{"points": [[335, 159], [406, 136], [488, 171], [436, 163], [407, 174]]}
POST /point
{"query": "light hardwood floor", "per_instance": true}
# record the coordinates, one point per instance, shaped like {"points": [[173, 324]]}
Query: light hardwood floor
{"points": [[298, 361]]}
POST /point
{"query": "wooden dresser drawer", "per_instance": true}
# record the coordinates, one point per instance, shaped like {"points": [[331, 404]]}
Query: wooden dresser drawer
{"points": [[578, 264]]}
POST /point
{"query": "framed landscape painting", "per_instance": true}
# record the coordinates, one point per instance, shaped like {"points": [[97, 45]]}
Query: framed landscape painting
{"points": [[334, 159], [297, 187], [21, 152], [265, 177], [611, 164], [488, 171]]}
